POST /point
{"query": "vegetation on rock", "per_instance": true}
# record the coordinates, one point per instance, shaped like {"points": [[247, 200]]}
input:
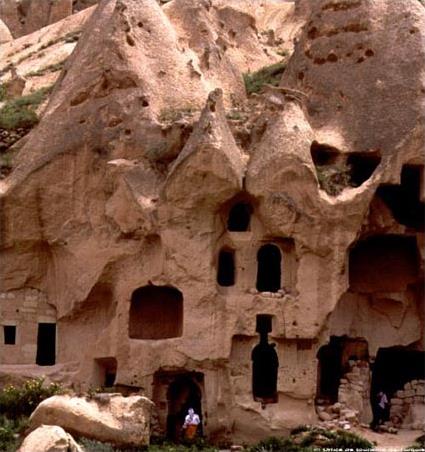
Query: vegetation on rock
{"points": [[268, 75], [16, 404], [21, 112], [310, 438]]}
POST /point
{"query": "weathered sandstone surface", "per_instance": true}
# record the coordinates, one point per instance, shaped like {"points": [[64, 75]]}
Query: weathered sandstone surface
{"points": [[123, 220], [49, 438], [124, 421]]}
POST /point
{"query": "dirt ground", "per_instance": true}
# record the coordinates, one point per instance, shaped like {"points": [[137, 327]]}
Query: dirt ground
{"points": [[389, 442]]}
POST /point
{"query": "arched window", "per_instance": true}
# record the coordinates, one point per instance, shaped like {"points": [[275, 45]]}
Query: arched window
{"points": [[268, 268], [156, 312], [226, 268], [239, 217]]}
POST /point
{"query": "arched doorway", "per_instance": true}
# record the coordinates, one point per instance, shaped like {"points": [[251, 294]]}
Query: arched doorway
{"points": [[268, 268], [183, 393]]}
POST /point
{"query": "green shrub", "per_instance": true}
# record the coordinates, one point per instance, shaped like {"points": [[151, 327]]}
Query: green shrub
{"points": [[270, 75], [16, 402], [20, 112], [9, 432]]}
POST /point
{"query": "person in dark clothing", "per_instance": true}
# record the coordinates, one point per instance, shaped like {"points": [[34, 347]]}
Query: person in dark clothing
{"points": [[380, 412]]}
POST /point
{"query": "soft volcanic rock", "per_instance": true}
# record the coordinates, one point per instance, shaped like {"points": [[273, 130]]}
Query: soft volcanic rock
{"points": [[49, 438], [110, 418], [163, 213]]}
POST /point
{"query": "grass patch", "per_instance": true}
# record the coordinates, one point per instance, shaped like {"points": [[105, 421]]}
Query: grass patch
{"points": [[419, 443], [20, 112], [91, 445], [50, 68], [313, 439], [269, 75], [176, 114]]}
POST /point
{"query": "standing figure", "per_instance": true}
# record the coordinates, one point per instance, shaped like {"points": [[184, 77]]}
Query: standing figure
{"points": [[380, 411], [190, 425]]}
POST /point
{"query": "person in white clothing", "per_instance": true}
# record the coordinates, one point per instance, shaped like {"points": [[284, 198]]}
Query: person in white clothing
{"points": [[191, 423]]}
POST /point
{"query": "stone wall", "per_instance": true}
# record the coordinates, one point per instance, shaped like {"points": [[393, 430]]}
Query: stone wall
{"points": [[407, 407], [24, 309], [353, 406]]}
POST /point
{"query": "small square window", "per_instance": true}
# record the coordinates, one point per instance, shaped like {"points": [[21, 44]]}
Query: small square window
{"points": [[9, 334]]}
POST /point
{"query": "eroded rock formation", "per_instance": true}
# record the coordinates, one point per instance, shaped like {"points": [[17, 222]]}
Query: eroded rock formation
{"points": [[154, 192]]}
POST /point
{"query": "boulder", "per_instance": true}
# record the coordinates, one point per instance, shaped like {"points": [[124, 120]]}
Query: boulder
{"points": [[49, 438], [124, 421]]}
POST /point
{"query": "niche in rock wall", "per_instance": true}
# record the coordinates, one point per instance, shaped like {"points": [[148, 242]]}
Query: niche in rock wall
{"points": [[156, 312], [239, 217], [105, 372], [337, 170], [9, 333], [265, 364], [394, 367], [384, 263], [404, 200], [226, 268], [269, 259]]}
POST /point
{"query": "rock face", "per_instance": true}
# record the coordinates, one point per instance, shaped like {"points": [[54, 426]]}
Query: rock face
{"points": [[49, 438], [159, 218], [5, 35], [124, 421], [24, 17]]}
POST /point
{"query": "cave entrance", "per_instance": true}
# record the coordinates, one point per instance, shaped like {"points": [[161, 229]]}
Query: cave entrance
{"points": [[184, 392], [46, 344], [265, 364], [156, 312], [269, 268], [404, 200], [333, 363], [239, 217], [393, 368], [226, 268]]}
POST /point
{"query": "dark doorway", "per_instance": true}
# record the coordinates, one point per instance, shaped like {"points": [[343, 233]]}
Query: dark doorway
{"points": [[394, 367], [46, 344], [333, 363], [183, 393], [404, 200], [330, 370], [268, 268], [9, 334], [226, 268], [265, 364], [239, 217], [156, 312]]}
